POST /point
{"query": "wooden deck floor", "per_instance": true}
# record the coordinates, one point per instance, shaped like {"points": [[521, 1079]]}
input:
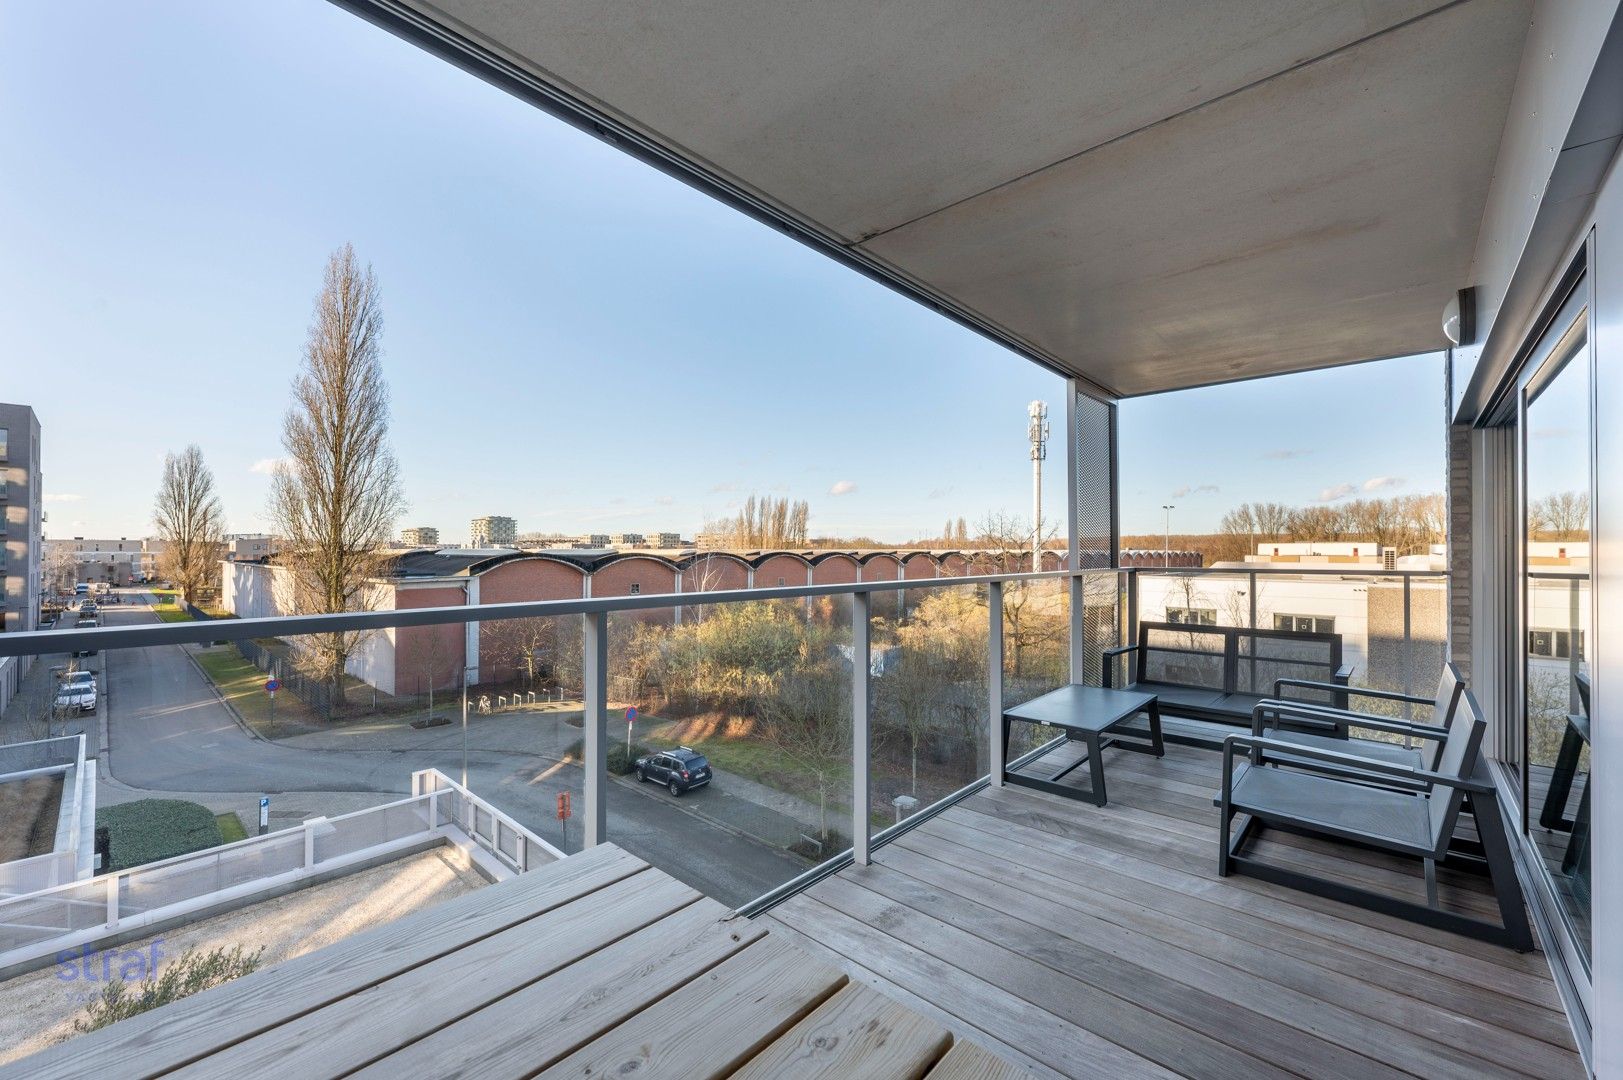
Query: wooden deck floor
{"points": [[595, 966], [1099, 942]]}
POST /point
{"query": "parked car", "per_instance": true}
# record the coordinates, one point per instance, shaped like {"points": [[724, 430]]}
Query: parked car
{"points": [[681, 769], [77, 694], [85, 622], [88, 610]]}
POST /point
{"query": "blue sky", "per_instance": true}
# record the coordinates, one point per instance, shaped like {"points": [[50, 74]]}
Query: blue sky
{"points": [[571, 338]]}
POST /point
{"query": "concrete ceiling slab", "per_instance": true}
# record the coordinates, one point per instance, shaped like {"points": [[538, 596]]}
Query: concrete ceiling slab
{"points": [[1323, 216], [1148, 195]]}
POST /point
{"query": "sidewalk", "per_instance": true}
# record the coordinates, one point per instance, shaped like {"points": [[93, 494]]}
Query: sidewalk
{"points": [[288, 809]]}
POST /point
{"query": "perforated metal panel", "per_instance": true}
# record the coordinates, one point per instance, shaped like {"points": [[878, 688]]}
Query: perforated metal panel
{"points": [[1095, 447]]}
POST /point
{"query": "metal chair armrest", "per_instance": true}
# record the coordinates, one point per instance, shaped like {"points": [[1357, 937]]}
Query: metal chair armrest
{"points": [[1106, 667], [1349, 761], [1348, 691]]}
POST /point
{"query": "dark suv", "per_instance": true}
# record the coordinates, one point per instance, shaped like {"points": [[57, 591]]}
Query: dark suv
{"points": [[682, 769]]}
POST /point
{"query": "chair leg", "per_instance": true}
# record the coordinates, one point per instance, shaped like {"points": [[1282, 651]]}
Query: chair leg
{"points": [[1431, 882]]}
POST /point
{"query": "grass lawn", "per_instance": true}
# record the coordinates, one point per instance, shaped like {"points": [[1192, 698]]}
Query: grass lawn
{"points": [[749, 756], [171, 613], [151, 829], [243, 686], [231, 829]]}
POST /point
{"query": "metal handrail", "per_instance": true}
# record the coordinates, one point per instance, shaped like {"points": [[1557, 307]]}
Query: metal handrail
{"points": [[42, 642]]}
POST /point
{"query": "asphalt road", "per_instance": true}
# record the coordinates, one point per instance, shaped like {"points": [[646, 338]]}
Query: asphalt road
{"points": [[168, 731]]}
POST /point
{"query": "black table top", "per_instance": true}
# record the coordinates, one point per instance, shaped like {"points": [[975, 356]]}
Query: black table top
{"points": [[1081, 708]]}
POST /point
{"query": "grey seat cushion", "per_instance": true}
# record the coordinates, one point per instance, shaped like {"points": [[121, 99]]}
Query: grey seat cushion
{"points": [[1353, 810]]}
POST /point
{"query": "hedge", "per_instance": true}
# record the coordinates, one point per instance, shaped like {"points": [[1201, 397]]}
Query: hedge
{"points": [[152, 829]]}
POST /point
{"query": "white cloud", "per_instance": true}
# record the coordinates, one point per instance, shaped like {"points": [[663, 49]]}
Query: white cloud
{"points": [[1286, 455], [1376, 483], [266, 466], [64, 497], [1186, 491], [843, 487], [1340, 491]]}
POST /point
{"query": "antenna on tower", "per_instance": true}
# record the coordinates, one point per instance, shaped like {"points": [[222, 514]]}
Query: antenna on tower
{"points": [[1037, 432]]}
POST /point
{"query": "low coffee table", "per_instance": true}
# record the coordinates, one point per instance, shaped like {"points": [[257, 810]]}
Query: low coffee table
{"points": [[1090, 714]]}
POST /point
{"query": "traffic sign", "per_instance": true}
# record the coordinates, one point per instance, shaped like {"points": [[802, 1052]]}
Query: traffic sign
{"points": [[563, 806], [631, 715], [272, 685]]}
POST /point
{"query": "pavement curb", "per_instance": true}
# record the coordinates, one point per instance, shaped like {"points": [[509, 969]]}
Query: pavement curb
{"points": [[246, 727]]}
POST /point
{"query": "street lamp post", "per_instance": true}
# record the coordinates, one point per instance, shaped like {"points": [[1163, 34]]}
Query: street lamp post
{"points": [[1166, 548]]}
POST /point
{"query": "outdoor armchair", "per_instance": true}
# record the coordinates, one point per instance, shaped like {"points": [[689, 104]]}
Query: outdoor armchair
{"points": [[1327, 793]]}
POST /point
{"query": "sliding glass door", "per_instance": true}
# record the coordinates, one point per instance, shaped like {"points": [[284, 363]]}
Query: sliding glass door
{"points": [[1556, 631]]}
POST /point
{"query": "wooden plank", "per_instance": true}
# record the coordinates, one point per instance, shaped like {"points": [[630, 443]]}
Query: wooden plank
{"points": [[1164, 849], [715, 1023], [539, 1024], [1349, 975], [363, 1027], [1054, 1041], [162, 1040], [971, 1061], [1299, 994], [1194, 1010], [1137, 1017], [857, 1032], [961, 1030]]}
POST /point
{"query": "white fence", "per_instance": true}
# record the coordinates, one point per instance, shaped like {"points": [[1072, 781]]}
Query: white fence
{"points": [[65, 755], [84, 912], [517, 847]]}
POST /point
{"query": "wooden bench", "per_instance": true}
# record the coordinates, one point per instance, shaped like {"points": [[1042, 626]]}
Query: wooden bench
{"points": [[1219, 673]]}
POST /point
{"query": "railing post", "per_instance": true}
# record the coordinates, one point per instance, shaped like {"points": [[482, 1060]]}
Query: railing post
{"points": [[112, 899], [595, 725], [994, 681], [1408, 650], [433, 810], [1079, 637], [861, 635], [310, 843]]}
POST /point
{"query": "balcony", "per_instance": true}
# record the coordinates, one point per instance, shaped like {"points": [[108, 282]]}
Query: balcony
{"points": [[962, 918]]}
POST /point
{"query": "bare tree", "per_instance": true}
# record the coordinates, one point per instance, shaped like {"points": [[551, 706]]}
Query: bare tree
{"points": [[191, 522], [809, 723], [1563, 515], [336, 496], [763, 522], [60, 569]]}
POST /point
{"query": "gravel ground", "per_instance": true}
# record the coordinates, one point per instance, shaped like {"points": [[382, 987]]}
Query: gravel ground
{"points": [[38, 1009]]}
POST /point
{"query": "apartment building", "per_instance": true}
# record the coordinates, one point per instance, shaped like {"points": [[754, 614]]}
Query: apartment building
{"points": [[420, 536], [126, 560], [21, 517], [492, 531]]}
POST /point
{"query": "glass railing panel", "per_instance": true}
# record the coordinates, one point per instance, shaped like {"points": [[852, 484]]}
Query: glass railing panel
{"points": [[930, 697], [757, 696]]}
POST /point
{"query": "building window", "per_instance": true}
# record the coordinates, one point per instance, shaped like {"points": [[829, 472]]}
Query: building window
{"points": [[1192, 616], [782, 583], [4, 455], [1306, 624], [636, 588], [1555, 644]]}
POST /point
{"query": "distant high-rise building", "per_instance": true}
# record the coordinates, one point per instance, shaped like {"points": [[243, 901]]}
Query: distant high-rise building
{"points": [[420, 536], [22, 534], [493, 531]]}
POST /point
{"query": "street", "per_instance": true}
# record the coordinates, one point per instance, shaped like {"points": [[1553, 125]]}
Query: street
{"points": [[167, 731]]}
